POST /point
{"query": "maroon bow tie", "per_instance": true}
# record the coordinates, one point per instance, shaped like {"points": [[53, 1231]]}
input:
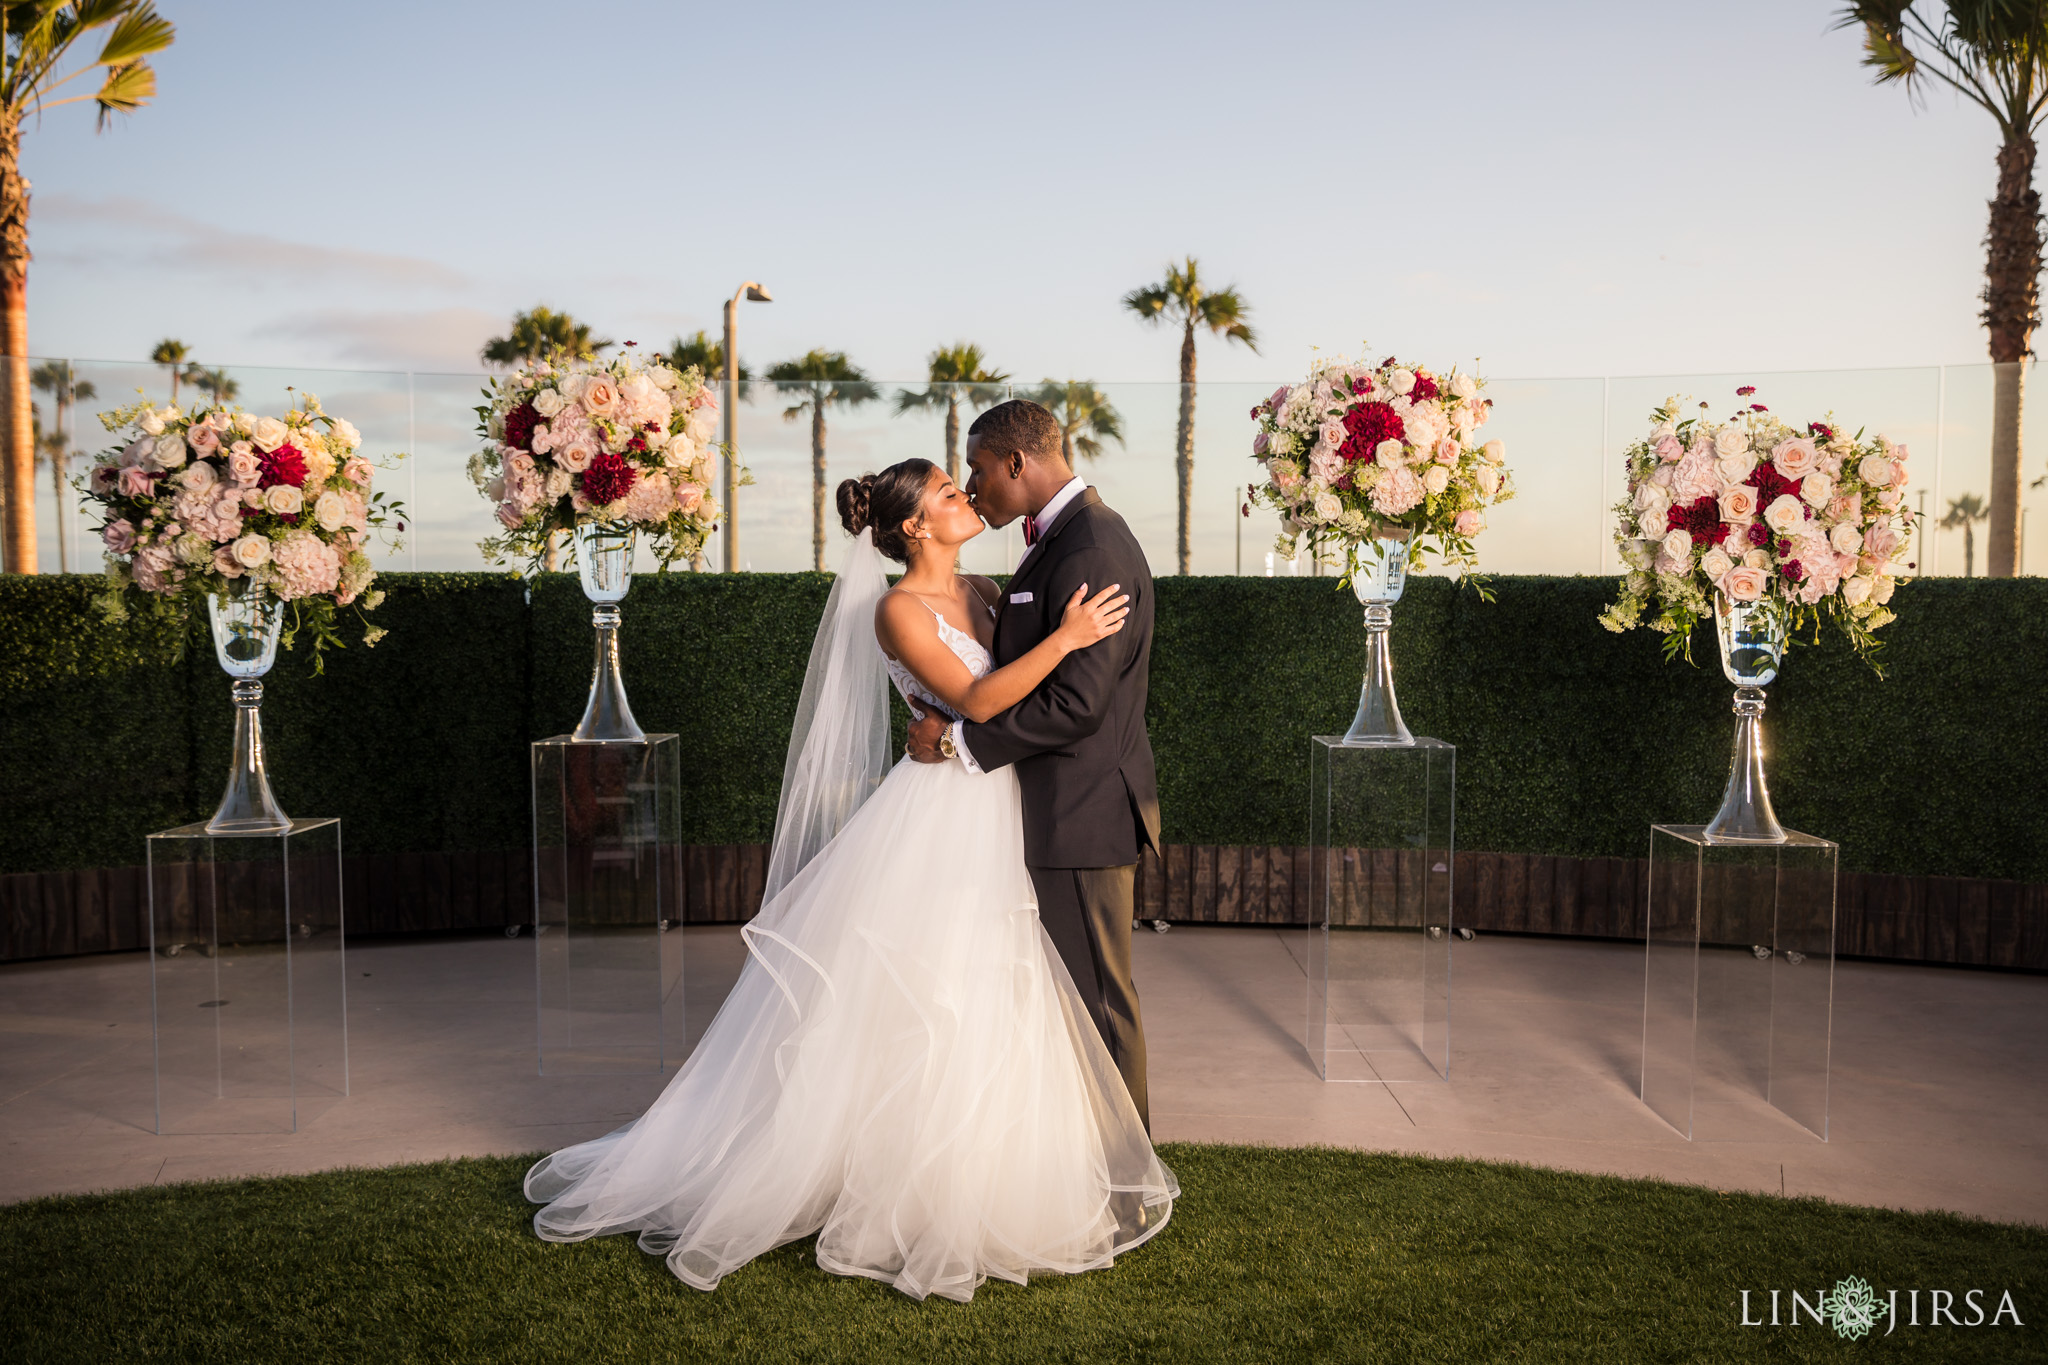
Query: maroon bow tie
{"points": [[1030, 532]]}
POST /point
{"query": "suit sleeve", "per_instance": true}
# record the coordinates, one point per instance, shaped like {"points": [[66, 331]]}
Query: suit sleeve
{"points": [[1074, 700]]}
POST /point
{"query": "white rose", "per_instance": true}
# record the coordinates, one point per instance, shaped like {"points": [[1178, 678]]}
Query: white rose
{"points": [[330, 509], [244, 423], [268, 434], [558, 484], [1437, 479], [548, 402], [657, 441], [665, 377], [345, 433], [1733, 469], [1677, 544], [1876, 470], [1757, 559], [1845, 539], [169, 452], [1881, 589], [1856, 591], [137, 451], [1730, 440], [1715, 562], [1463, 386], [1816, 490], [1488, 479], [283, 499], [1402, 381], [252, 551], [1389, 452], [1495, 451], [1785, 514], [1328, 507], [150, 422]]}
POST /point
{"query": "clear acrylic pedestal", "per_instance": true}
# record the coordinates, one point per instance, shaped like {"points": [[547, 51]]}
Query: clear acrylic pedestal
{"points": [[607, 904], [248, 977], [1738, 990], [1382, 830]]}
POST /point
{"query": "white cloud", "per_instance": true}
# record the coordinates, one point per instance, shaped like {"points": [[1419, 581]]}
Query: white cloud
{"points": [[438, 340], [143, 232]]}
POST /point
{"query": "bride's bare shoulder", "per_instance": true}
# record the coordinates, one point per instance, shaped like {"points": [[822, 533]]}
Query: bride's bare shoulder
{"points": [[984, 589]]}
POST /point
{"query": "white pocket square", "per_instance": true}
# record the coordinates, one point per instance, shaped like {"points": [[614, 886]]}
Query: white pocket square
{"points": [[1020, 597]]}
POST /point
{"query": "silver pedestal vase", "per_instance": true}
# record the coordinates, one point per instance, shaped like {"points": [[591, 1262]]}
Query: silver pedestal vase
{"points": [[1379, 571], [1752, 637], [245, 631], [604, 561]]}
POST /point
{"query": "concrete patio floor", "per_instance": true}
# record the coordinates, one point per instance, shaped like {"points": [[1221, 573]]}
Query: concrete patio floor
{"points": [[1939, 1093]]}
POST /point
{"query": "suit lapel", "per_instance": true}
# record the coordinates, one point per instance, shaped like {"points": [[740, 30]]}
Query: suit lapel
{"points": [[1035, 558]]}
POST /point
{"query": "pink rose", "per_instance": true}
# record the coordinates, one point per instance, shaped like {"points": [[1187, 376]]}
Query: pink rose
{"points": [[1795, 459], [576, 455], [1259, 445], [1738, 503], [244, 466], [600, 396], [1669, 450], [119, 536], [509, 514], [1743, 584], [1469, 522], [203, 438], [1447, 451], [357, 471], [1279, 397], [252, 497], [199, 476], [689, 496], [135, 482], [1881, 539], [105, 478], [225, 564]]}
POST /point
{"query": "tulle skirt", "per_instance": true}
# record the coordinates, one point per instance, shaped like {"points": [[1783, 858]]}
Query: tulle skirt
{"points": [[903, 1068]]}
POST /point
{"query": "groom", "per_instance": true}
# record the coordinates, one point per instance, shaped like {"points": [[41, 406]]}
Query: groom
{"points": [[1084, 761]]}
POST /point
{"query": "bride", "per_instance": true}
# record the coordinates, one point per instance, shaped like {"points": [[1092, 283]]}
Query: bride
{"points": [[904, 1067]]}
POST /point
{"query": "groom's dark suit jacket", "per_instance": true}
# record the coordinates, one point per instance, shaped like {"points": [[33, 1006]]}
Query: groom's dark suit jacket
{"points": [[1084, 761]]}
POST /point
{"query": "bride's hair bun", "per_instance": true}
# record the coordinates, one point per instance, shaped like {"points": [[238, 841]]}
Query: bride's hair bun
{"points": [[856, 503], [886, 501]]}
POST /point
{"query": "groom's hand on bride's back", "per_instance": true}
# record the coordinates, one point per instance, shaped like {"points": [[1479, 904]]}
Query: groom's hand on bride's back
{"points": [[925, 733]]}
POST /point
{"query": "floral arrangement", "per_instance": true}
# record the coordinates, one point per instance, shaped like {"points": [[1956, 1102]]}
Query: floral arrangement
{"points": [[1357, 452], [615, 443], [217, 501], [1805, 521]]}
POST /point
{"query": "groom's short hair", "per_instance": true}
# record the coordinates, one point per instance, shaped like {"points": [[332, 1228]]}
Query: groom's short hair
{"points": [[1019, 424]]}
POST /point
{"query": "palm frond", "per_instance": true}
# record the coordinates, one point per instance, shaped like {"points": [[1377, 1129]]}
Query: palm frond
{"points": [[140, 33], [1148, 303]]}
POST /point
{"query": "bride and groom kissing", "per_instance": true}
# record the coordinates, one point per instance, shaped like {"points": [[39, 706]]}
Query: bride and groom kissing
{"points": [[933, 1058]]}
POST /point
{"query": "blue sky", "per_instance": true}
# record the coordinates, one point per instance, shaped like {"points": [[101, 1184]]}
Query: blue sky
{"points": [[1561, 189]]}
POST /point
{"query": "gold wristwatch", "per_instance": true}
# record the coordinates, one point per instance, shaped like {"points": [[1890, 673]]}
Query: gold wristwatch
{"points": [[946, 745]]}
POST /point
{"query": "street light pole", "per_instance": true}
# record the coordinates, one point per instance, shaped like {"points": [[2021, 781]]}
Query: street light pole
{"points": [[749, 290]]}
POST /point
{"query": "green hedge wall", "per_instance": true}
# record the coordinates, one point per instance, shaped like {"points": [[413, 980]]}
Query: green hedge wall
{"points": [[1571, 740]]}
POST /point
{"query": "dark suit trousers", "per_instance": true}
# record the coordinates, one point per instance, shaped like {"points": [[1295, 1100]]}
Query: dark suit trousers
{"points": [[1087, 912]]}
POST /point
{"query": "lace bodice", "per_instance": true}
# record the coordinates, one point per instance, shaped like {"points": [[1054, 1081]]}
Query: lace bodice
{"points": [[964, 646]]}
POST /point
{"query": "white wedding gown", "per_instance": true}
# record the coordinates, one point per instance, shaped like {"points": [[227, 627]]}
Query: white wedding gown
{"points": [[903, 1068]]}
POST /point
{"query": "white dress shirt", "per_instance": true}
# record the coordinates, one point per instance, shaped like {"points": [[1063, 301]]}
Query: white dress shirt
{"points": [[1045, 516]]}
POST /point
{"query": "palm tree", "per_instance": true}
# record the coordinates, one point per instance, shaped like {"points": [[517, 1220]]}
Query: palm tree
{"points": [[1963, 514], [55, 378], [172, 354], [953, 373], [1085, 414], [825, 379], [218, 385], [1182, 298], [540, 334], [704, 351], [1994, 53], [37, 37]]}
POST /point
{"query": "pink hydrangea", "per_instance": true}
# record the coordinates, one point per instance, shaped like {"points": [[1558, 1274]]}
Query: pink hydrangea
{"points": [[153, 565], [1397, 491], [305, 565]]}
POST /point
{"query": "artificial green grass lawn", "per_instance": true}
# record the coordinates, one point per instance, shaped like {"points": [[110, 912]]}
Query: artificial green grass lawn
{"points": [[1272, 1255]]}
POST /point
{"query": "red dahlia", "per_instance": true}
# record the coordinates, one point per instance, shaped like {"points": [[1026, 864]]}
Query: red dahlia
{"points": [[608, 479], [1769, 484], [1366, 426], [519, 425], [286, 464], [1424, 390], [1701, 519]]}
